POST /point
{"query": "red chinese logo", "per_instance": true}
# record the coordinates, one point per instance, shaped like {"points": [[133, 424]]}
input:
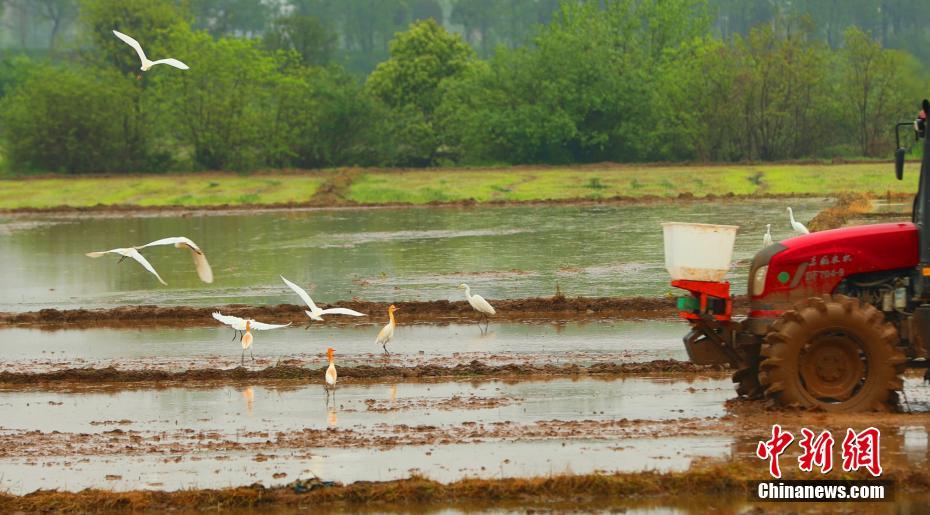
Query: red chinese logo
{"points": [[861, 450], [817, 451], [773, 448]]}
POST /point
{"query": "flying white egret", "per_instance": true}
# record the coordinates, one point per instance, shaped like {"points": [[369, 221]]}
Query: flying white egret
{"points": [[146, 63], [478, 304], [387, 332], [767, 238], [130, 252], [797, 226], [241, 325], [330, 374], [315, 312], [200, 260]]}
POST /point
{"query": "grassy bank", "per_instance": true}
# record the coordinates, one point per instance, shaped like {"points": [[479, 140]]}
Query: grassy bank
{"points": [[518, 184], [521, 184], [158, 190]]}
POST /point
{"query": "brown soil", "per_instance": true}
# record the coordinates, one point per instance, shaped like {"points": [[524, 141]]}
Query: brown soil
{"points": [[721, 482], [361, 373], [556, 308], [454, 403], [124, 441], [334, 190], [847, 205]]}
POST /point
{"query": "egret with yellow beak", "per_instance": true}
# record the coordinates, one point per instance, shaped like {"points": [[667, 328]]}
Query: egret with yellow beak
{"points": [[387, 332]]}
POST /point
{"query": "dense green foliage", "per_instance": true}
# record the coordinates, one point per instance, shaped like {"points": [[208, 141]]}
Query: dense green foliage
{"points": [[603, 80]]}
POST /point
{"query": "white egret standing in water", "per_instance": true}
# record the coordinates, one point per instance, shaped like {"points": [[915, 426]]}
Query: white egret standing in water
{"points": [[797, 226], [480, 305], [767, 238], [330, 375], [387, 332]]}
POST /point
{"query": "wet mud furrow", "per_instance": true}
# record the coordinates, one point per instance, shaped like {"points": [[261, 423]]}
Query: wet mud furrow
{"points": [[439, 311], [475, 369], [118, 441]]}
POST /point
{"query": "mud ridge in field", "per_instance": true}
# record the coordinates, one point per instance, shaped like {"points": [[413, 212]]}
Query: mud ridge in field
{"points": [[847, 206], [125, 441], [362, 372], [556, 308], [717, 481]]}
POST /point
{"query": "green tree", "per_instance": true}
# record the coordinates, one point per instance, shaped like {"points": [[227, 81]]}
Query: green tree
{"points": [[14, 70], [785, 99], [422, 58], [157, 24], [334, 121], [230, 17], [879, 86], [477, 18], [59, 14], [305, 35], [364, 27], [604, 81], [226, 105], [71, 121]]}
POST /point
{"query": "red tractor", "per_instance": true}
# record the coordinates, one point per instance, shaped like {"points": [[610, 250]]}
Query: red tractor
{"points": [[835, 316]]}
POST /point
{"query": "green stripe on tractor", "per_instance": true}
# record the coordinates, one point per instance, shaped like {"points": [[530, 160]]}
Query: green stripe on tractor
{"points": [[688, 303]]}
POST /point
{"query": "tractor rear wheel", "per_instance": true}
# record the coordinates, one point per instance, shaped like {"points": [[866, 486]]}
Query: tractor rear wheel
{"points": [[832, 353]]}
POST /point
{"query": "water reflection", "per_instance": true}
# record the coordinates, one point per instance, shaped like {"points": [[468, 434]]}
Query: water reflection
{"points": [[249, 395]]}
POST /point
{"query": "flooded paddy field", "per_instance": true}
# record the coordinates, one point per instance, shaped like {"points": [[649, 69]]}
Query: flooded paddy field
{"points": [[371, 254], [592, 397], [445, 430], [173, 349], [218, 436]]}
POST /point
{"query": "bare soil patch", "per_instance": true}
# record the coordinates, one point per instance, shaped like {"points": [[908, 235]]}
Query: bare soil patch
{"points": [[556, 308], [477, 369]]}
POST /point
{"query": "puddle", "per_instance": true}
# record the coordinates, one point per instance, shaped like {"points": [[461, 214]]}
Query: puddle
{"points": [[443, 463], [240, 410], [223, 436], [36, 350], [174, 438], [378, 255]]}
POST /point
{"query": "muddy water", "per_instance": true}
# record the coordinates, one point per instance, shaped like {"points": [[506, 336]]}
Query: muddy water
{"points": [[172, 424], [240, 410], [375, 254], [172, 348], [215, 437], [440, 462]]}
